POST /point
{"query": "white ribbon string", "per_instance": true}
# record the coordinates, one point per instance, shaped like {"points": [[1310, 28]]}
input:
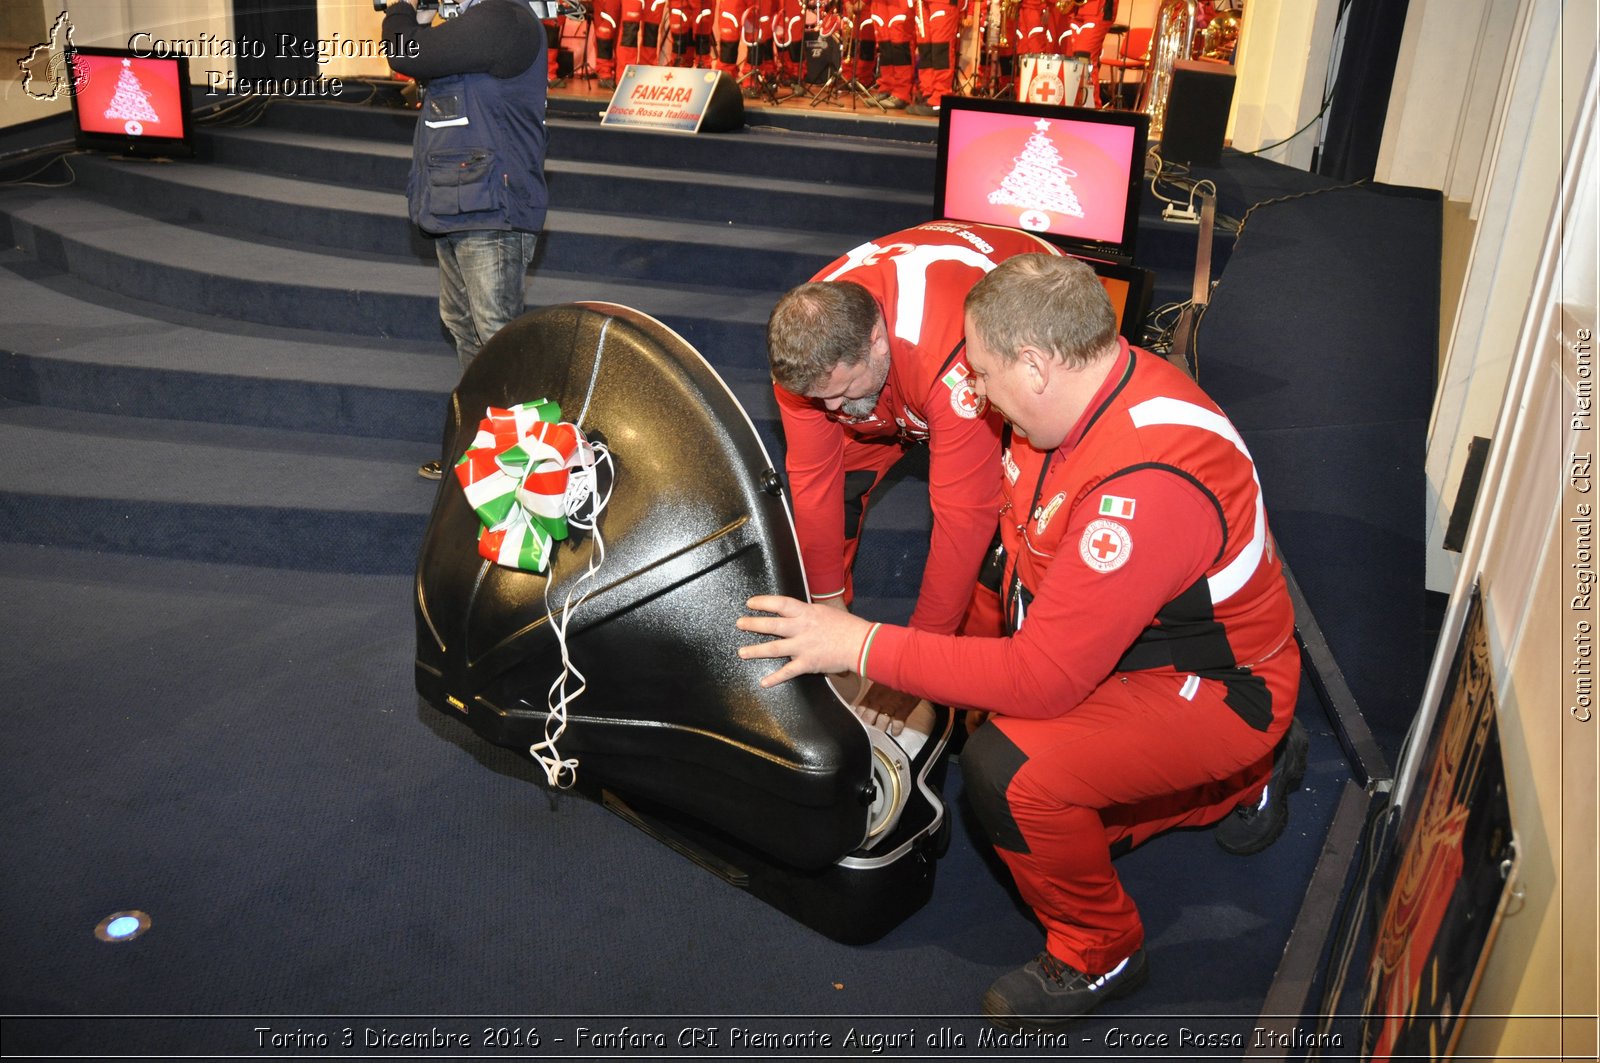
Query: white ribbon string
{"points": [[561, 772]]}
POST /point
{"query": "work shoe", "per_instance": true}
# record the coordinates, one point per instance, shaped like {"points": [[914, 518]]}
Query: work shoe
{"points": [[893, 103], [923, 110], [430, 470], [1045, 993], [607, 83], [1251, 828]]}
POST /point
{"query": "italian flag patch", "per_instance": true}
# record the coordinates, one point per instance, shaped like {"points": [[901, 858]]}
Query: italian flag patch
{"points": [[1116, 506], [957, 376]]}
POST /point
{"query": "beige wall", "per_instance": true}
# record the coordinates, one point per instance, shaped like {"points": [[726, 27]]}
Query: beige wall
{"points": [[1518, 305], [345, 27]]}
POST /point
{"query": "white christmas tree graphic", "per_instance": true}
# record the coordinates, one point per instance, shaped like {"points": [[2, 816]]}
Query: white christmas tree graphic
{"points": [[1038, 183], [131, 103]]}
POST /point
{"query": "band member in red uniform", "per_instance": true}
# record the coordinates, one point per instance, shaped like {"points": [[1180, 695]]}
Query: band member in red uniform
{"points": [[865, 45], [704, 41], [607, 22], [867, 362], [788, 37], [894, 28], [639, 39], [728, 28], [937, 25], [1084, 27], [1147, 673], [682, 17]]}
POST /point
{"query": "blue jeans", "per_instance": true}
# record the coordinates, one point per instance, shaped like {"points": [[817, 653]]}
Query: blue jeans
{"points": [[481, 278]]}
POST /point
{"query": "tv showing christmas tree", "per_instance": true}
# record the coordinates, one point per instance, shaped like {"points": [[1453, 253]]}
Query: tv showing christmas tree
{"points": [[1072, 175], [130, 103]]}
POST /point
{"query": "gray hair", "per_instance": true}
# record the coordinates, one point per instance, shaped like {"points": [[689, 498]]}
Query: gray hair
{"points": [[1054, 303]]}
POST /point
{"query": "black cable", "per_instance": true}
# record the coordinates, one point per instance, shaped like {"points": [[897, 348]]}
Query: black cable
{"points": [[57, 154]]}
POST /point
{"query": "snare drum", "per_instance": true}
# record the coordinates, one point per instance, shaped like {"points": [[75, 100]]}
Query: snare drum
{"points": [[1064, 80]]}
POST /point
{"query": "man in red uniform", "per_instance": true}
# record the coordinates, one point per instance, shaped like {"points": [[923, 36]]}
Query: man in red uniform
{"points": [[894, 30], [1148, 671], [607, 23], [938, 23], [866, 362]]}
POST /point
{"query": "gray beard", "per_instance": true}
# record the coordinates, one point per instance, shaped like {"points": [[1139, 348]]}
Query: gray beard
{"points": [[862, 407]]}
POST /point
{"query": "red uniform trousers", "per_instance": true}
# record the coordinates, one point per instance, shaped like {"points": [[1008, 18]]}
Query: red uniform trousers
{"points": [[866, 462], [936, 50], [639, 37], [788, 36], [866, 50], [1032, 32], [607, 21], [552, 38], [728, 29], [704, 41], [896, 32], [1059, 797], [682, 16]]}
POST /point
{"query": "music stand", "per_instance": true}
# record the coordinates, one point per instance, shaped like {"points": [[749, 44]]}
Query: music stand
{"points": [[991, 84]]}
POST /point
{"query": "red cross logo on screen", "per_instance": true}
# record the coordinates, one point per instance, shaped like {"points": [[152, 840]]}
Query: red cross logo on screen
{"points": [[1105, 545]]}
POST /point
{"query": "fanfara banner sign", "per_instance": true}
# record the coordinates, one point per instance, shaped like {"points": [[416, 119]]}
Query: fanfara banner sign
{"points": [[662, 97]]}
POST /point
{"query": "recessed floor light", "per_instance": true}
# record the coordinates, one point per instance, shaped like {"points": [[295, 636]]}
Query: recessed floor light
{"points": [[122, 926]]}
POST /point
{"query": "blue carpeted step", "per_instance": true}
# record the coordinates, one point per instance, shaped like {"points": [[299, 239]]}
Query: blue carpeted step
{"points": [[285, 210], [257, 496], [842, 150], [210, 274], [64, 346], [622, 188]]}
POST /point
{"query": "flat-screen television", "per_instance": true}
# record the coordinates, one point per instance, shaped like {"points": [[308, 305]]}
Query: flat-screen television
{"points": [[130, 104], [1071, 174]]}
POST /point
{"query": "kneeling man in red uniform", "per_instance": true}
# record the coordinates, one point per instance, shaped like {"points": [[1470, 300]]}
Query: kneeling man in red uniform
{"points": [[866, 364], [1141, 672]]}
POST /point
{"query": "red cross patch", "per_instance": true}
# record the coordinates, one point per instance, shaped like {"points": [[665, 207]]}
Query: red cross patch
{"points": [[964, 399], [1105, 545]]}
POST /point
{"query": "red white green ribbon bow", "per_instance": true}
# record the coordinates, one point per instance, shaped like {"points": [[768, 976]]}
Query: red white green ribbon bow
{"points": [[515, 478]]}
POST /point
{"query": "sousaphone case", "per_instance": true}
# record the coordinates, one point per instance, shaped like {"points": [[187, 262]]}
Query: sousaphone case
{"points": [[782, 792]]}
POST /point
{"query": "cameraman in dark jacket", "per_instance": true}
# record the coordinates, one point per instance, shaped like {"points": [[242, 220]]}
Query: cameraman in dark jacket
{"points": [[477, 168]]}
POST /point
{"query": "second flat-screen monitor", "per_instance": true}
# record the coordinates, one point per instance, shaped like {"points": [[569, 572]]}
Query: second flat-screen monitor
{"points": [[1071, 174]]}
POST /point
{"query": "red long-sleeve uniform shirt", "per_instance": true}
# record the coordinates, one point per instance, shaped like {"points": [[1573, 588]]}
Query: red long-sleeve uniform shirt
{"points": [[1139, 544], [919, 278]]}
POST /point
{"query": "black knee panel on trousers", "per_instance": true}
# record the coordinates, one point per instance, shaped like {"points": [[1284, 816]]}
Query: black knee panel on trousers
{"points": [[630, 35], [934, 56], [989, 762], [894, 53], [867, 51], [605, 49], [728, 52], [652, 35], [857, 483]]}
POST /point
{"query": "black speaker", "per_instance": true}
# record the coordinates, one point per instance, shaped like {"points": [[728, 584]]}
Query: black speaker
{"points": [[725, 109], [1197, 112]]}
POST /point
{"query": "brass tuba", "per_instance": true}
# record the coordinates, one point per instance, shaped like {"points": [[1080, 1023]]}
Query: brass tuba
{"points": [[1171, 41]]}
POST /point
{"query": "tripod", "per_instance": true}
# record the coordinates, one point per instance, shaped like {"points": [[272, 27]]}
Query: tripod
{"points": [[760, 85], [838, 81]]}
